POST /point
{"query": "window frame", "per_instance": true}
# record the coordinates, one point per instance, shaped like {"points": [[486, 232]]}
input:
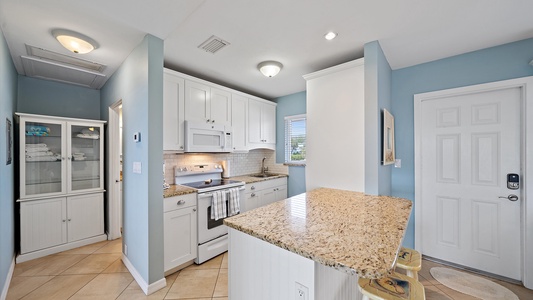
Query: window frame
{"points": [[287, 135]]}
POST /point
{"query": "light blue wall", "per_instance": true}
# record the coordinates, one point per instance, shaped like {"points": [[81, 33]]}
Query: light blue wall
{"points": [[8, 96], [378, 76], [493, 64], [294, 104], [139, 84], [44, 97]]}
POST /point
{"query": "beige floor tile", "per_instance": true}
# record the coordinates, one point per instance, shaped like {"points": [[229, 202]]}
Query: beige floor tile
{"points": [[433, 293], [53, 265], [93, 264], [427, 279], [224, 261], [116, 267], [104, 286], [193, 284], [114, 246], [60, 287], [21, 286], [88, 249], [213, 263], [134, 291], [221, 288], [25, 266]]}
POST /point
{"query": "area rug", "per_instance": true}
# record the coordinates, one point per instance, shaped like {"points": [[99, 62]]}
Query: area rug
{"points": [[471, 284]]}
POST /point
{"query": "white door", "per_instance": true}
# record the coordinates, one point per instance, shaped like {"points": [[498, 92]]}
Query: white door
{"points": [[197, 102], [469, 143], [220, 107], [85, 216]]}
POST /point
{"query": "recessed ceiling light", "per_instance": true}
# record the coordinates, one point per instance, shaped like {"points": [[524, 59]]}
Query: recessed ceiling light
{"points": [[330, 35]]}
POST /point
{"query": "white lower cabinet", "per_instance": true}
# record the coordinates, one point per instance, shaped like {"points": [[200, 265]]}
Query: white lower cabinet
{"points": [[265, 192], [180, 231], [56, 221]]}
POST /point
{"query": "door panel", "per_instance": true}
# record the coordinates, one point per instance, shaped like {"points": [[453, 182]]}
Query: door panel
{"points": [[469, 143]]}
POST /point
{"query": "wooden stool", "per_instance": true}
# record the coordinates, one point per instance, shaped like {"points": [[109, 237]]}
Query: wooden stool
{"points": [[409, 260], [393, 287]]}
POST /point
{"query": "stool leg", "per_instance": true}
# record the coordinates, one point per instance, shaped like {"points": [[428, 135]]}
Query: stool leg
{"points": [[412, 274]]}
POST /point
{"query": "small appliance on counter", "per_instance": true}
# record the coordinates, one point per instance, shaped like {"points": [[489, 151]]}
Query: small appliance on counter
{"points": [[226, 169], [165, 184]]}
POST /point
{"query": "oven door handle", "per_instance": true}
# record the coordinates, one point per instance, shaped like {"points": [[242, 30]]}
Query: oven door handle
{"points": [[209, 194]]}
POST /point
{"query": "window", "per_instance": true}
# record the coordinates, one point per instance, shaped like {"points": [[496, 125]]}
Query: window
{"points": [[295, 139]]}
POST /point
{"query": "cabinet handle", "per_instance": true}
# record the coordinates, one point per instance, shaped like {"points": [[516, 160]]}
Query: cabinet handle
{"points": [[252, 188], [252, 195], [181, 202]]}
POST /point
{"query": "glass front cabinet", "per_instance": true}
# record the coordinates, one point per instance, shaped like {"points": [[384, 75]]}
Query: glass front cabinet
{"points": [[59, 159]]}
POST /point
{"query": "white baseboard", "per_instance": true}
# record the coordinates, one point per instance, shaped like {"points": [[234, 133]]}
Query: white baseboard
{"points": [[3, 296], [147, 289], [60, 248]]}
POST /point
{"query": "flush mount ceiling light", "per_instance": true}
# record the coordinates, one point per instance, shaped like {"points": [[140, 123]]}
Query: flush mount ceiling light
{"points": [[270, 68], [74, 41], [330, 35]]}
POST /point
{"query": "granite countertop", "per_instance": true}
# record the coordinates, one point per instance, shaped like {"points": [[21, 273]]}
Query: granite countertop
{"points": [[177, 190], [349, 231], [250, 179]]}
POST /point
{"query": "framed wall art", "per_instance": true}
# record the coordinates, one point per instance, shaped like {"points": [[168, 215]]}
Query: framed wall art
{"points": [[389, 154]]}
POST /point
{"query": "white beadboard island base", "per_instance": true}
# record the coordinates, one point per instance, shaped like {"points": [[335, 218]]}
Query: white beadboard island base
{"points": [[261, 271]]}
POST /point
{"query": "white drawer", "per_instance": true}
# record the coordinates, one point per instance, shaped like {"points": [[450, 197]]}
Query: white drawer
{"points": [[178, 202], [265, 184]]}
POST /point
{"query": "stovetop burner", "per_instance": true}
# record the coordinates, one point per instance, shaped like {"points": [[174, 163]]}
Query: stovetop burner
{"points": [[209, 184]]}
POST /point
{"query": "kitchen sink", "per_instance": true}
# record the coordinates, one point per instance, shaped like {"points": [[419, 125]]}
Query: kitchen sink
{"points": [[263, 175]]}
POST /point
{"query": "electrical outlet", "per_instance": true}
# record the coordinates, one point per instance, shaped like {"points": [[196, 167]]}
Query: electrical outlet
{"points": [[302, 292], [125, 249]]}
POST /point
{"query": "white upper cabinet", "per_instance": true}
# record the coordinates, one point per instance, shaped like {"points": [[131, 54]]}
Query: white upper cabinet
{"points": [[207, 104], [173, 112], [261, 124], [239, 112]]}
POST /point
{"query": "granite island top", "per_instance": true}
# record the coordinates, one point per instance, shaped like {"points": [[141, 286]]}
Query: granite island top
{"points": [[349, 231]]}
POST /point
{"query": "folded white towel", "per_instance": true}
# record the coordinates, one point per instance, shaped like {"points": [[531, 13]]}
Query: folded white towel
{"points": [[35, 146], [40, 153], [44, 158], [36, 150], [234, 202], [218, 205]]}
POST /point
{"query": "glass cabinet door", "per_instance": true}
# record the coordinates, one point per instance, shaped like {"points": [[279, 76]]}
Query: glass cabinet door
{"points": [[42, 157], [85, 157]]}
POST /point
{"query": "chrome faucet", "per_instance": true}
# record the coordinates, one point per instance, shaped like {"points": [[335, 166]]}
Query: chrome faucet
{"points": [[263, 169]]}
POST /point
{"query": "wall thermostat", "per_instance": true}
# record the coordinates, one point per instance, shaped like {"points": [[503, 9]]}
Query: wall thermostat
{"points": [[137, 137]]}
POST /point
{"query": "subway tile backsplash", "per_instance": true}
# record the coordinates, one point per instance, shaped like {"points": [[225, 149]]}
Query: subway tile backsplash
{"points": [[241, 163]]}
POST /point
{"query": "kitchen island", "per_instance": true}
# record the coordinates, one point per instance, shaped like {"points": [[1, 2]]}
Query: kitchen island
{"points": [[317, 243]]}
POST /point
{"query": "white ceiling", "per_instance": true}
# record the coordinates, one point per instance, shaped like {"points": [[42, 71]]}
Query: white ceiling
{"points": [[290, 31]]}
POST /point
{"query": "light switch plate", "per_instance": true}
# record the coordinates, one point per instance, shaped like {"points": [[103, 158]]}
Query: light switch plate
{"points": [[397, 163], [137, 169]]}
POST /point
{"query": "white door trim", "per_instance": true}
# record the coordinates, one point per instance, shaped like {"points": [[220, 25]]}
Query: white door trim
{"points": [[526, 84], [113, 188]]}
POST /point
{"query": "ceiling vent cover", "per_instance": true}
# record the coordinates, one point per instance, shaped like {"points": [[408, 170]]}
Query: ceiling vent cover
{"points": [[213, 44]]}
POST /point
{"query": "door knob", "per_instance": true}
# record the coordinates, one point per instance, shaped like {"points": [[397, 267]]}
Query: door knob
{"points": [[511, 197]]}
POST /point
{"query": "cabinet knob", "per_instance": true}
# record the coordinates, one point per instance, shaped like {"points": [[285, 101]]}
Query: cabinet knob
{"points": [[181, 147], [62, 158], [252, 188], [181, 202], [212, 121], [64, 221], [69, 220], [194, 209], [208, 120], [252, 195], [69, 158]]}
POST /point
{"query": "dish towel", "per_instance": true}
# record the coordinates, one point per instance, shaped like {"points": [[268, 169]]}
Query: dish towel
{"points": [[218, 205], [234, 202]]}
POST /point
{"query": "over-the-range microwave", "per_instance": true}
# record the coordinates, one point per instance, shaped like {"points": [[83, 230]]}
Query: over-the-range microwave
{"points": [[207, 137]]}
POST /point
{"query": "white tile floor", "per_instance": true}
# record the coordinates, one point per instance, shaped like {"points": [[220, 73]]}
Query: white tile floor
{"points": [[97, 272]]}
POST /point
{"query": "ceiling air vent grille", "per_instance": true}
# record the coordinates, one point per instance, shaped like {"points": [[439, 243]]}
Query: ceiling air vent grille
{"points": [[213, 44]]}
